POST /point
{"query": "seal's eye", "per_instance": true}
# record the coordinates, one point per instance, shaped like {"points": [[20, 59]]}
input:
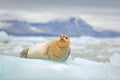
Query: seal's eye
{"points": [[66, 37]]}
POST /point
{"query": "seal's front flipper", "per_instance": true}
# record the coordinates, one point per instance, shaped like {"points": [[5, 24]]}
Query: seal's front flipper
{"points": [[24, 53], [68, 54]]}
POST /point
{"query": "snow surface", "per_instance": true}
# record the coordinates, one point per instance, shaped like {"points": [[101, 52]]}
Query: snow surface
{"points": [[90, 59], [115, 59], [13, 68], [3, 36]]}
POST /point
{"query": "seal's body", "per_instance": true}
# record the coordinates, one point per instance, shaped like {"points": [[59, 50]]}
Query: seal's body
{"points": [[57, 50]]}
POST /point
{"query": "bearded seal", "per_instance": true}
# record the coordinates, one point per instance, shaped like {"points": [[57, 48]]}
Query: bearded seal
{"points": [[56, 50]]}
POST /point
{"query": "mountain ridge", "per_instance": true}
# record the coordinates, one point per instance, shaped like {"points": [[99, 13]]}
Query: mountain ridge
{"points": [[71, 26]]}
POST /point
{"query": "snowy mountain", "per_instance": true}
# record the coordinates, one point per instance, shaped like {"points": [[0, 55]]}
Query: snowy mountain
{"points": [[72, 27]]}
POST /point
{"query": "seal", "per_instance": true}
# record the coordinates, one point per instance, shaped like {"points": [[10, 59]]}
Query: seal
{"points": [[56, 50]]}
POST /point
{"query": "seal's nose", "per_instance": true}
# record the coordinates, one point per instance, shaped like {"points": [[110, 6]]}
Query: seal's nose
{"points": [[62, 38]]}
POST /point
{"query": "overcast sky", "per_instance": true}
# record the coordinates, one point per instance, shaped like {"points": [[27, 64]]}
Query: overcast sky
{"points": [[102, 14]]}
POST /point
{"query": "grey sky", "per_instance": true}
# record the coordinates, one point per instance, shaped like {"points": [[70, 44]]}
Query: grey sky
{"points": [[58, 4], [99, 13]]}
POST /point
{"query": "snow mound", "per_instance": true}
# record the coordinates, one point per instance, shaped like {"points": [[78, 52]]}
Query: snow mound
{"points": [[115, 59], [14, 68], [3, 36]]}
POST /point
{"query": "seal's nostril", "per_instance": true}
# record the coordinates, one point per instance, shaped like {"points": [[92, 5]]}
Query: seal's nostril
{"points": [[62, 38]]}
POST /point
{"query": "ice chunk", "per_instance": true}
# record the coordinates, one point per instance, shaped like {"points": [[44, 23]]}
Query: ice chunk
{"points": [[17, 50], [115, 59], [86, 39], [14, 68], [11, 50], [3, 36]]}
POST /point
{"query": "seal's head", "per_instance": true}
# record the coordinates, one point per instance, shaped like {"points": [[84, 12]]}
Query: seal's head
{"points": [[63, 41]]}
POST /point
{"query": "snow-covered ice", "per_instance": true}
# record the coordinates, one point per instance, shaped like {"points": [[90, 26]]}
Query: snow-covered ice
{"points": [[13, 68], [90, 59], [3, 36], [115, 59]]}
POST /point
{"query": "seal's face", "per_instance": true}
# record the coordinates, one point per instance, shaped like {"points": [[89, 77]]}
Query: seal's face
{"points": [[63, 41]]}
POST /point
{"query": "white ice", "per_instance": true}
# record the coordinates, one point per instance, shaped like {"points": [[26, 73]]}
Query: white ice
{"points": [[90, 59], [13, 68], [115, 59], [3, 36]]}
